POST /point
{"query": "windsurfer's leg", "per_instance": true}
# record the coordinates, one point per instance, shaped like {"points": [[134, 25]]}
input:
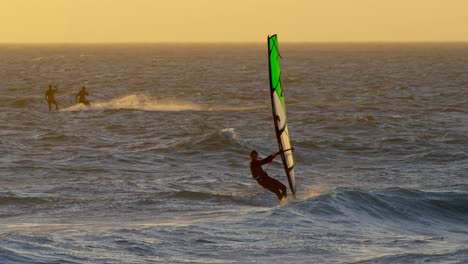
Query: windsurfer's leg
{"points": [[280, 188], [276, 191], [273, 186], [284, 190]]}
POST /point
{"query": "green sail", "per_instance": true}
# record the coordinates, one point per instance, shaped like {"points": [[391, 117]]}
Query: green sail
{"points": [[279, 111], [275, 69]]}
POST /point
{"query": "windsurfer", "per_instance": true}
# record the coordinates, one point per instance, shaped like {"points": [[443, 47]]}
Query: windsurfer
{"points": [[262, 177], [81, 96], [50, 97]]}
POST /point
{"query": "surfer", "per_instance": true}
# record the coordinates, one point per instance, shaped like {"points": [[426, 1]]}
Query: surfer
{"points": [[50, 97], [81, 96], [262, 177]]}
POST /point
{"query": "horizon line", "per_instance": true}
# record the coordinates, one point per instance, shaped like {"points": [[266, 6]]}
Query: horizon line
{"points": [[239, 42]]}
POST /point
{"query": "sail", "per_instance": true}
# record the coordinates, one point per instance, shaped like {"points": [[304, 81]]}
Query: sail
{"points": [[279, 111]]}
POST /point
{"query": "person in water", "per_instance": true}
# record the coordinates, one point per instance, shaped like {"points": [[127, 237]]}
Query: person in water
{"points": [[262, 177], [50, 97], [81, 96]]}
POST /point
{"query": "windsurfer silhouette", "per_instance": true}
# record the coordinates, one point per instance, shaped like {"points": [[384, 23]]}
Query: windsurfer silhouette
{"points": [[262, 177], [81, 97], [50, 97]]}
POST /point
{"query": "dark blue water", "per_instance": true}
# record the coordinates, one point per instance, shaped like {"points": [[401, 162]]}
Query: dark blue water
{"points": [[156, 170]]}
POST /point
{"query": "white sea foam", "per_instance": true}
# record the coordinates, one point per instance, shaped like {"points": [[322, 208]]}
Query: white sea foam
{"points": [[147, 103], [229, 133]]}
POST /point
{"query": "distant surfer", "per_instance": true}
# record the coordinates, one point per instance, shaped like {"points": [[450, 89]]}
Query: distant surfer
{"points": [[50, 97], [81, 97], [262, 177]]}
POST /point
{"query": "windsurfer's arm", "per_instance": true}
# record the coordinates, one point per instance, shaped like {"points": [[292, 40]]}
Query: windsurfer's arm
{"points": [[281, 151], [268, 159]]}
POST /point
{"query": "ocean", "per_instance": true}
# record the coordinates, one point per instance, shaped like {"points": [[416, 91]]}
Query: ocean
{"points": [[156, 170]]}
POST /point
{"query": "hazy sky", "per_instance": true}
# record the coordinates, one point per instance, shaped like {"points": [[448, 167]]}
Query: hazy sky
{"points": [[233, 20]]}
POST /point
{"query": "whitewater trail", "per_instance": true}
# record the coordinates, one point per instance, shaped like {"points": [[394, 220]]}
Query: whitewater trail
{"points": [[148, 103]]}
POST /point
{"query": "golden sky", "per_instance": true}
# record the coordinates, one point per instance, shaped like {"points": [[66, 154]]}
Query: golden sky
{"points": [[26, 21]]}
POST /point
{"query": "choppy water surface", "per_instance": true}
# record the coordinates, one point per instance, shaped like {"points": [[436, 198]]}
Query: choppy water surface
{"points": [[156, 170]]}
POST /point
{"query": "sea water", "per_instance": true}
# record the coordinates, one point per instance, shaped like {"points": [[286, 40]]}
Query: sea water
{"points": [[156, 170]]}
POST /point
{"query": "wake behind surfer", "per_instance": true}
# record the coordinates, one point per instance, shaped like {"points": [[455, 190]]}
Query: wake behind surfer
{"points": [[81, 96], [262, 177], [50, 97]]}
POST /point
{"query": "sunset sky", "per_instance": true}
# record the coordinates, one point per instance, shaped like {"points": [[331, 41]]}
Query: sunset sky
{"points": [[70, 21]]}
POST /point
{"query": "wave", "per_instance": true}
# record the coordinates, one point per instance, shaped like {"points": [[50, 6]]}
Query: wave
{"points": [[449, 109], [15, 200], [35, 250], [394, 204], [11, 256], [257, 200], [226, 139], [457, 256], [22, 103], [19, 102], [147, 103], [46, 58]]}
